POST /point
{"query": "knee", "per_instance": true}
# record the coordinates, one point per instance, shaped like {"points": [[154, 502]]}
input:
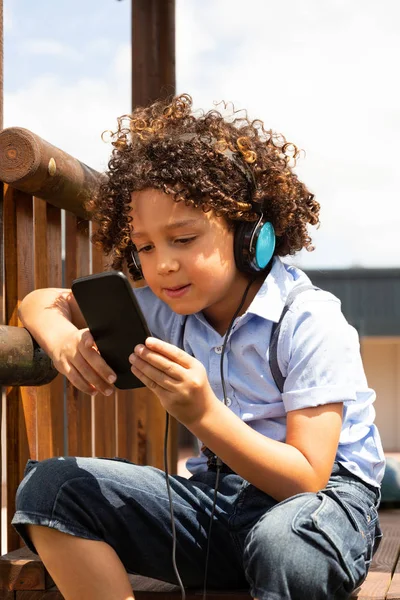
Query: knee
{"points": [[43, 481], [274, 542], [278, 558]]}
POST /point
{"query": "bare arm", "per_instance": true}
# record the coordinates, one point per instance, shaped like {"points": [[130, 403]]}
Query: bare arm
{"points": [[54, 319], [302, 464], [48, 313]]}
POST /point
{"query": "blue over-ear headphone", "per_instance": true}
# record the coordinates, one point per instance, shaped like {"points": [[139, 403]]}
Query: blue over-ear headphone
{"points": [[254, 245]]}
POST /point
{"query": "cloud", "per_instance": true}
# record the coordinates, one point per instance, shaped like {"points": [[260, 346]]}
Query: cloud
{"points": [[49, 47], [322, 73], [73, 117]]}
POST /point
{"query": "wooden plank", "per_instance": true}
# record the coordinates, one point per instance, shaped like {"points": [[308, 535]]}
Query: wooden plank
{"points": [[379, 577], [39, 595], [23, 570], [2, 291], [25, 283], [127, 446], [105, 408], [394, 589], [79, 405], [155, 432], [16, 438], [47, 269], [104, 426]]}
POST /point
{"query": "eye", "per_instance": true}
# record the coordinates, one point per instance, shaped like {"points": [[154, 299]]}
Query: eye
{"points": [[144, 249], [185, 241]]}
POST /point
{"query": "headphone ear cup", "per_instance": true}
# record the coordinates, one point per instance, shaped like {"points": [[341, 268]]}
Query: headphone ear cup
{"points": [[254, 246], [241, 234], [265, 244], [136, 268]]}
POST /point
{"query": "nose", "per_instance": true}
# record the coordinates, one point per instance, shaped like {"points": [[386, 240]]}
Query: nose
{"points": [[167, 264]]}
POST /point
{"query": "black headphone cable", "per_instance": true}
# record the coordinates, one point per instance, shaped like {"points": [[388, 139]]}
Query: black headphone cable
{"points": [[218, 463], [171, 508]]}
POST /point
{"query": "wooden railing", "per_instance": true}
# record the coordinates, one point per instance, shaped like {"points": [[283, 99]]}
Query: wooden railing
{"points": [[43, 194]]}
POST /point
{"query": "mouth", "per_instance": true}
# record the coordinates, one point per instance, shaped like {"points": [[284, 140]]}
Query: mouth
{"points": [[177, 291]]}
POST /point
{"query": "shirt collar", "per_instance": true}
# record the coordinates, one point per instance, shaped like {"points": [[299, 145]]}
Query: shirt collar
{"points": [[271, 297]]}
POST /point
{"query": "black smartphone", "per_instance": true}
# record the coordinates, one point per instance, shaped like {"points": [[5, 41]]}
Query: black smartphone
{"points": [[114, 319]]}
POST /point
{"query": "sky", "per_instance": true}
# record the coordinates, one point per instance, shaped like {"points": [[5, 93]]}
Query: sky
{"points": [[322, 72]]}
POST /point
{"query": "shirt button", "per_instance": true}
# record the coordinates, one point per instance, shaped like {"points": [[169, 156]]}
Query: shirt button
{"points": [[218, 349], [228, 401]]}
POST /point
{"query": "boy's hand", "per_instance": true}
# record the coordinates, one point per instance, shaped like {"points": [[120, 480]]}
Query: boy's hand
{"points": [[179, 380], [77, 357]]}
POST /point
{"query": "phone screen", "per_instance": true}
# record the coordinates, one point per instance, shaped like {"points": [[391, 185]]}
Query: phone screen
{"points": [[114, 319]]}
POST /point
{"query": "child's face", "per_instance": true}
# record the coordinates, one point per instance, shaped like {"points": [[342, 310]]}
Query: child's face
{"points": [[186, 255]]}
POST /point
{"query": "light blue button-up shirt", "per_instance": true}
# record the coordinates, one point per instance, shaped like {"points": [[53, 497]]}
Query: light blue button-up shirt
{"points": [[318, 353]]}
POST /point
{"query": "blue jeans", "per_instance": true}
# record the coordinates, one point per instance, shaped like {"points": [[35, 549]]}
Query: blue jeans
{"points": [[313, 545]]}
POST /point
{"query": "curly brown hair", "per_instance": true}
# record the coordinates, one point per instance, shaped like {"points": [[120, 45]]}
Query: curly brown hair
{"points": [[205, 160]]}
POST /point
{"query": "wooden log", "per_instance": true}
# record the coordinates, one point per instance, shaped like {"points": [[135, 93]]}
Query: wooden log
{"points": [[32, 165], [22, 361]]}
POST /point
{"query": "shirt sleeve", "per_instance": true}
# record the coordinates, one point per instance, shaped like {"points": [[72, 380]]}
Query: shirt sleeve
{"points": [[319, 354]]}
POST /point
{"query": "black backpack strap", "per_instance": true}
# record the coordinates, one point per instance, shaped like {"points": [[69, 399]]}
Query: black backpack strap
{"points": [[273, 344]]}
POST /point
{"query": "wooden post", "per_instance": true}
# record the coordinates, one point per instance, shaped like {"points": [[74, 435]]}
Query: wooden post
{"points": [[153, 50], [1, 64], [153, 77], [2, 316]]}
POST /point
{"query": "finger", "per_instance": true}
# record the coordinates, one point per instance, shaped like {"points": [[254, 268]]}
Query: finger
{"points": [[78, 381], [91, 375], [154, 377], [148, 382], [160, 362], [170, 351], [91, 354]]}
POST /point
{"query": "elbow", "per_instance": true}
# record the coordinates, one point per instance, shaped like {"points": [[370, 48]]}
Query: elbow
{"points": [[312, 484]]}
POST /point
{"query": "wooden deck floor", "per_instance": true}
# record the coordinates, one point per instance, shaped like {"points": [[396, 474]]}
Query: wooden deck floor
{"points": [[23, 576]]}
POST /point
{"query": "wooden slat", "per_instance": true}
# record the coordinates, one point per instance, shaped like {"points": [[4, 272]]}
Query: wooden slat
{"points": [[47, 270], [39, 595], [127, 446], [2, 292], [394, 589], [25, 283], [18, 403], [79, 405], [379, 577], [155, 432], [105, 428]]}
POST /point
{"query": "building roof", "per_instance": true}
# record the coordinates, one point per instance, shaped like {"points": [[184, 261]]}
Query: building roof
{"points": [[370, 297]]}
